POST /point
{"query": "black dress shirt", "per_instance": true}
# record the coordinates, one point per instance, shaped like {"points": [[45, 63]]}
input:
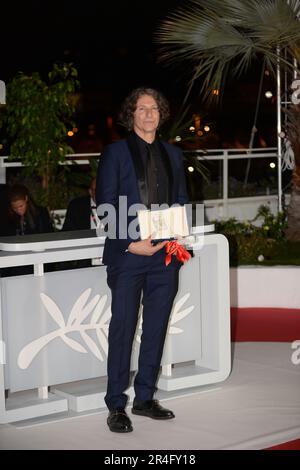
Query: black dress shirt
{"points": [[155, 171]]}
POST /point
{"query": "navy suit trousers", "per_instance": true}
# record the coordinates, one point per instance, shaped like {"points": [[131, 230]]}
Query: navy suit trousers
{"points": [[157, 284]]}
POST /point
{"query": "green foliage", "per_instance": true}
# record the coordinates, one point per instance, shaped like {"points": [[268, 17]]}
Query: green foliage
{"points": [[285, 253], [37, 117], [248, 242], [273, 226]]}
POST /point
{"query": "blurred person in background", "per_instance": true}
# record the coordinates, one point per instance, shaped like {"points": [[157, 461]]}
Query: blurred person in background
{"points": [[81, 212], [24, 216]]}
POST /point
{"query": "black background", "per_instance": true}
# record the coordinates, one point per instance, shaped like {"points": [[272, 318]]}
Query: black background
{"points": [[111, 43]]}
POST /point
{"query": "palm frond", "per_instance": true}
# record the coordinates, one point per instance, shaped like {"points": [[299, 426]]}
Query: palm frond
{"points": [[221, 37]]}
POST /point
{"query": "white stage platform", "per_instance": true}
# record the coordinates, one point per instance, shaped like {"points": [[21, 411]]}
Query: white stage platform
{"points": [[258, 406]]}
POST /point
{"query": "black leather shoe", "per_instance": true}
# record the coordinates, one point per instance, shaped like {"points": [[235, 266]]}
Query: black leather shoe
{"points": [[118, 421], [152, 409]]}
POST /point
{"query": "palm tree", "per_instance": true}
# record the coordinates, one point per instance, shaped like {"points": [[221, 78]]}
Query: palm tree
{"points": [[222, 38]]}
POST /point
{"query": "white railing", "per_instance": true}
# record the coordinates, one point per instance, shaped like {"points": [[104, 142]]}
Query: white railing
{"points": [[233, 154], [227, 207], [76, 158], [221, 206]]}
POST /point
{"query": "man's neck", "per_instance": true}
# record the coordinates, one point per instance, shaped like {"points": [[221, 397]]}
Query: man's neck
{"points": [[148, 137]]}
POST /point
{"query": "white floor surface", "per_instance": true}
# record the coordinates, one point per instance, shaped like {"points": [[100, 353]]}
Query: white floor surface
{"points": [[258, 406]]}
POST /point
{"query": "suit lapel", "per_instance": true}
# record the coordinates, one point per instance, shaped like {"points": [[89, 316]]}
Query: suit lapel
{"points": [[139, 168]]}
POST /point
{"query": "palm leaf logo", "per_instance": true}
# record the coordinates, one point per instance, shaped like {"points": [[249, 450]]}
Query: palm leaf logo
{"points": [[99, 322], [178, 314], [79, 312]]}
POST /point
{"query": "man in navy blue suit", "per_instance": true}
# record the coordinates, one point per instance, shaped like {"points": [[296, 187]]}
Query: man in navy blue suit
{"points": [[146, 171]]}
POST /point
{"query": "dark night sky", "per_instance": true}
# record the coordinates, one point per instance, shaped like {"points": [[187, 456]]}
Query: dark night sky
{"points": [[111, 44]]}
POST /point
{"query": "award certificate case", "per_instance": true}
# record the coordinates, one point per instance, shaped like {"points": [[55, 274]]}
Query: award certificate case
{"points": [[163, 224]]}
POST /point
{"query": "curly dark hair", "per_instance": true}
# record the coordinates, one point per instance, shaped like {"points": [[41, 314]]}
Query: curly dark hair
{"points": [[129, 106]]}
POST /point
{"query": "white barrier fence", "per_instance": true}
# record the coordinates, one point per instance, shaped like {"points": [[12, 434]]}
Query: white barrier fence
{"points": [[242, 208]]}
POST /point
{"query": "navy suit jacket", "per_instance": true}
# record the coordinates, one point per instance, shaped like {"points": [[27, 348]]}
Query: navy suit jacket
{"points": [[121, 173]]}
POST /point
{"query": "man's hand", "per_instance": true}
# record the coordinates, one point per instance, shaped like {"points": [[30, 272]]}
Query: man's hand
{"points": [[145, 247]]}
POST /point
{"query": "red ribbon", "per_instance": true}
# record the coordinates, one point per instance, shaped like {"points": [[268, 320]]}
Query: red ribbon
{"points": [[174, 248]]}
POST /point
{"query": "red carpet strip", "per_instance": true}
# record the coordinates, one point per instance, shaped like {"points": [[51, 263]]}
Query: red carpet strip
{"points": [[265, 324], [291, 445]]}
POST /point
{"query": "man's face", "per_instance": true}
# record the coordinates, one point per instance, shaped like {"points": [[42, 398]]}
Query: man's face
{"points": [[19, 206], [146, 116]]}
